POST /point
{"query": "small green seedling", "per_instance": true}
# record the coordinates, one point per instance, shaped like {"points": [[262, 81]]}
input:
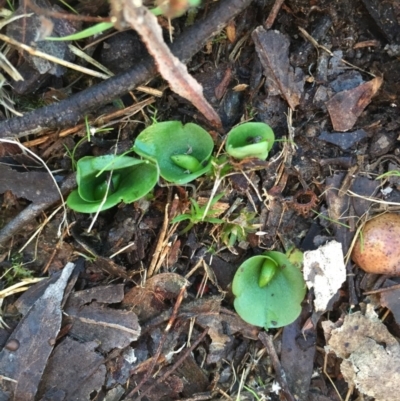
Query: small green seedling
{"points": [[182, 152], [18, 270], [250, 140], [130, 180], [103, 26], [236, 230], [196, 214], [269, 289]]}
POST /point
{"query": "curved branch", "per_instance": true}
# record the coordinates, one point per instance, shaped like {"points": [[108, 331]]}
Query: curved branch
{"points": [[70, 111]]}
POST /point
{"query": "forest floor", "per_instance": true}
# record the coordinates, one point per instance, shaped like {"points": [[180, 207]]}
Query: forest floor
{"points": [[131, 302]]}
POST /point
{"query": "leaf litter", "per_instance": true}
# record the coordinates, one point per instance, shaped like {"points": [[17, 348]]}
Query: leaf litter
{"points": [[113, 333], [371, 355]]}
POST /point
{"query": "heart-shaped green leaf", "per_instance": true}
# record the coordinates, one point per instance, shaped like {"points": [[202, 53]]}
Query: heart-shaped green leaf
{"points": [[131, 180], [274, 305], [168, 141], [250, 140]]}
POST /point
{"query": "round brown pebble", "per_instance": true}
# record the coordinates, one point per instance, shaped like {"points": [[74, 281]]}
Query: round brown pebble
{"points": [[378, 249], [12, 345]]}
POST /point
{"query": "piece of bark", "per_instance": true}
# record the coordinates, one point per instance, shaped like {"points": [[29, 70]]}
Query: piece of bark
{"points": [[273, 50], [111, 328], [35, 186], [297, 357], [35, 336]]}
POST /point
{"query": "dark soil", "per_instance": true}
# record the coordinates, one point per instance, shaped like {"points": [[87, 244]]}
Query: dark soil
{"points": [[148, 310]]}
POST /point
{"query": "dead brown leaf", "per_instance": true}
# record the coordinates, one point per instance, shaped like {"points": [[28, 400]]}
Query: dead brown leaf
{"points": [[149, 301], [273, 50], [345, 107], [170, 67]]}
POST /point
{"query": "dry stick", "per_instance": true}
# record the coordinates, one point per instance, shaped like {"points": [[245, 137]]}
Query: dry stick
{"points": [[32, 211], [272, 15], [384, 289], [70, 111], [162, 341], [280, 374], [171, 69], [160, 243], [62, 15], [174, 366]]}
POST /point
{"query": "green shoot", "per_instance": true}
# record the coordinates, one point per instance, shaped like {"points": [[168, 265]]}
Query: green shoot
{"points": [[68, 6], [86, 33], [250, 390], [89, 132], [329, 219], [71, 154], [237, 229], [196, 214], [17, 272], [393, 173], [103, 26], [11, 5]]}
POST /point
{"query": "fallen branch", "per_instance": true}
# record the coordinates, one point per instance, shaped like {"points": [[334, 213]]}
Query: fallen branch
{"points": [[70, 111]]}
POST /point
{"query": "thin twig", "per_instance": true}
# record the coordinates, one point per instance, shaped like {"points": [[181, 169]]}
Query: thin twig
{"points": [[385, 289], [175, 366], [160, 243], [273, 14], [156, 357], [279, 373]]}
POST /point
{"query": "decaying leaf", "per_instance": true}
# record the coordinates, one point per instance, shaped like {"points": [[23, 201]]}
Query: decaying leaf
{"points": [[324, 270], [345, 107], [371, 355], [35, 186], [93, 321], [148, 301], [74, 370], [171, 69], [33, 339], [281, 79]]}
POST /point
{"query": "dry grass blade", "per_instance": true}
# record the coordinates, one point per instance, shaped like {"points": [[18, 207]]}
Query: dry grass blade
{"points": [[5, 98], [9, 68], [51, 58], [170, 67]]}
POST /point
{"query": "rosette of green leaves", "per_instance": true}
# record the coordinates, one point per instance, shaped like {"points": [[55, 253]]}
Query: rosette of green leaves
{"points": [[250, 140], [269, 289], [131, 179], [182, 152]]}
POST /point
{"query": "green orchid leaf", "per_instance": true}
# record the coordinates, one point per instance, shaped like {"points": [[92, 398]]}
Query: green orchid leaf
{"points": [[214, 220], [250, 140], [168, 141], [131, 180], [276, 304], [181, 217], [86, 33]]}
